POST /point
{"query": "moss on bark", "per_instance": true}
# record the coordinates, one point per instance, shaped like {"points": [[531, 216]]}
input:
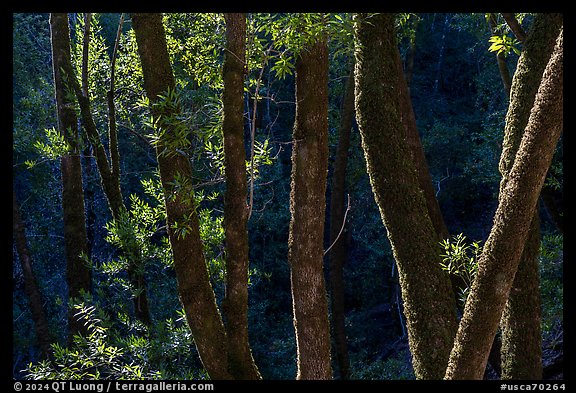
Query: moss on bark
{"points": [[235, 305], [521, 335], [503, 249], [429, 304]]}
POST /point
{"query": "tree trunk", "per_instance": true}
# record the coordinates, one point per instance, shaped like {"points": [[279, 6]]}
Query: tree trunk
{"points": [[501, 58], [109, 172], [503, 249], [307, 208], [515, 26], [338, 253], [30, 285], [194, 287], [418, 156], [429, 304], [521, 350], [521, 335], [78, 273], [235, 306], [410, 56]]}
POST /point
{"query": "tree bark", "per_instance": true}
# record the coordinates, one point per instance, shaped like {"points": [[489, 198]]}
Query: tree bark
{"points": [[418, 156], [194, 287], [503, 249], [78, 273], [307, 208], [410, 56], [521, 350], [501, 58], [515, 26], [521, 335], [429, 304], [109, 172], [338, 253], [235, 305], [41, 326]]}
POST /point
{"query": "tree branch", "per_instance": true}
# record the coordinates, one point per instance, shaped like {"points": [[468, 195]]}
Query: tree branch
{"points": [[515, 26], [341, 228]]}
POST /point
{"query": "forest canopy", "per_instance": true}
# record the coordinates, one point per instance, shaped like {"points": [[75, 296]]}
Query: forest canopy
{"points": [[287, 196]]}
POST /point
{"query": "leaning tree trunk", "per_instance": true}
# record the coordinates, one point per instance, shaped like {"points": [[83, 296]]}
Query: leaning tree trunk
{"points": [[194, 288], [235, 305], [338, 253], [429, 303], [30, 285], [521, 335], [78, 272], [307, 205], [418, 156], [512, 222]]}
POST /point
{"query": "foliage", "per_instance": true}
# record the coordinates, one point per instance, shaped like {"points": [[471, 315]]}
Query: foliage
{"points": [[406, 25], [461, 260], [504, 44], [555, 177], [90, 357], [118, 348], [292, 33], [55, 147], [195, 42], [98, 70]]}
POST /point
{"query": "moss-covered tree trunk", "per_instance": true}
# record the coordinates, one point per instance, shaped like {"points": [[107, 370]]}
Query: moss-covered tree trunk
{"points": [[418, 155], [194, 287], [521, 336], [235, 305], [429, 303], [41, 326], [307, 208], [512, 222], [78, 272], [338, 253]]}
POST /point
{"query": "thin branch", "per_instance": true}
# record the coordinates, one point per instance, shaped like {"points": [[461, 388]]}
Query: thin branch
{"points": [[113, 131], [253, 133], [398, 300], [441, 180], [85, 47], [81, 93], [341, 228], [268, 201]]}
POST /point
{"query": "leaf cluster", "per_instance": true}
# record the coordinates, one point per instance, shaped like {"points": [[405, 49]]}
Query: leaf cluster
{"points": [[94, 356], [504, 45], [55, 147], [461, 260]]}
